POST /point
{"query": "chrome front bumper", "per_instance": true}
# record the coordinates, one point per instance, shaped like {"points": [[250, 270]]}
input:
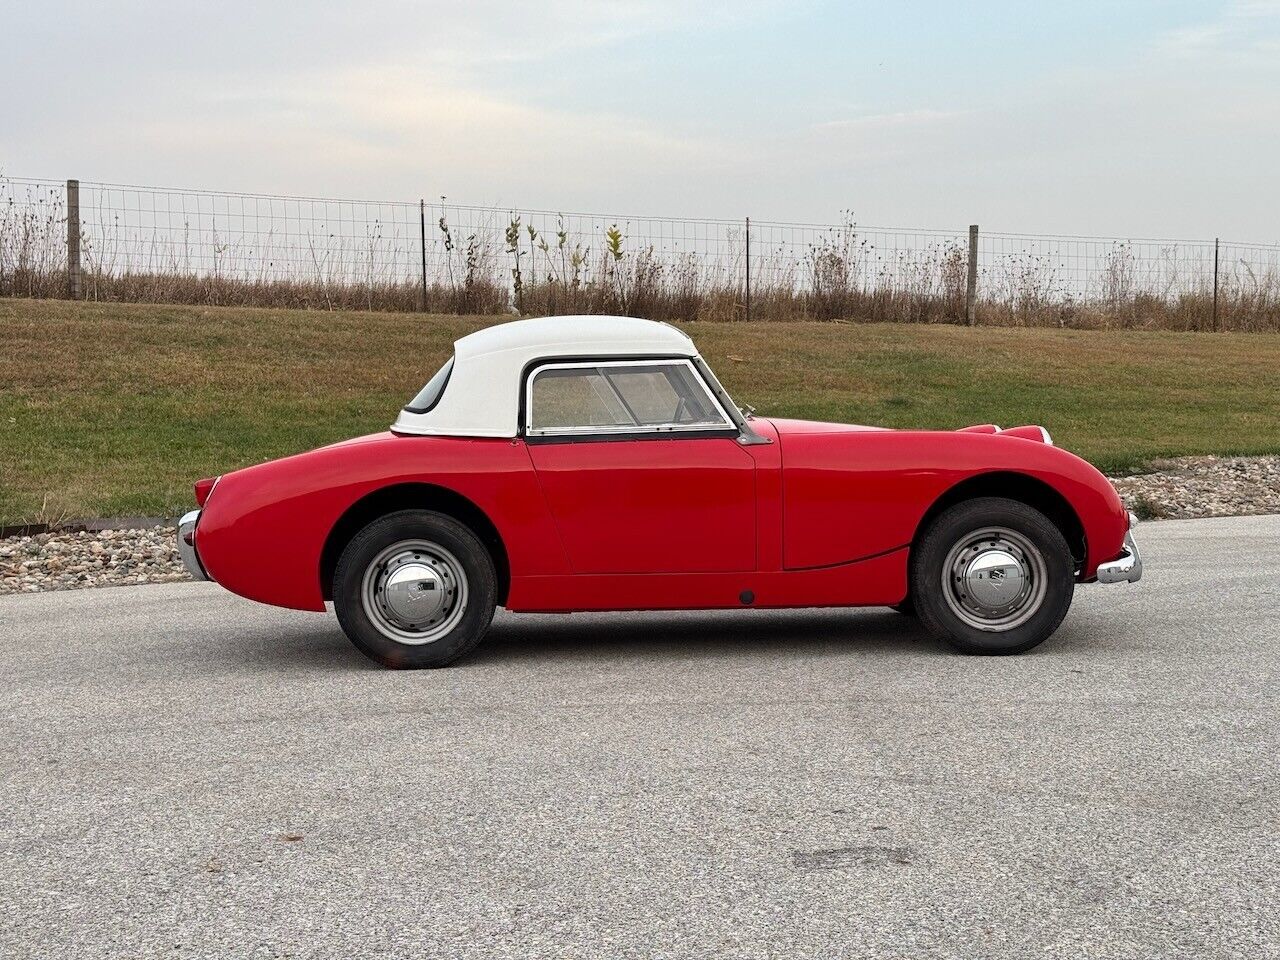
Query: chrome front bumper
{"points": [[1127, 568], [187, 545]]}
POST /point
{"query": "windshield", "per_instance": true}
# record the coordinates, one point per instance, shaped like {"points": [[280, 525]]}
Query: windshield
{"points": [[721, 394], [430, 395], [741, 415]]}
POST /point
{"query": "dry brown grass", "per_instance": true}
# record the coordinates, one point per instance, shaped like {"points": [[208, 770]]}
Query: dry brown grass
{"points": [[650, 291], [515, 268], [483, 297]]}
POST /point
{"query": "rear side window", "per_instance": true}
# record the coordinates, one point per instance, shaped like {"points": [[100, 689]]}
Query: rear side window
{"points": [[430, 395], [642, 396]]}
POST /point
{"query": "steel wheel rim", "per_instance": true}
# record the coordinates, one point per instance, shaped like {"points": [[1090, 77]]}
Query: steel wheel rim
{"points": [[994, 579], [400, 572]]}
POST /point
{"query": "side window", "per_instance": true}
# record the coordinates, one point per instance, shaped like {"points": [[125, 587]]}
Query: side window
{"points": [[640, 396], [574, 397], [664, 394]]}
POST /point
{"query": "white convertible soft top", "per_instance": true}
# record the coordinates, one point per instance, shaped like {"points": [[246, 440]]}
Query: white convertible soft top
{"points": [[482, 396]]}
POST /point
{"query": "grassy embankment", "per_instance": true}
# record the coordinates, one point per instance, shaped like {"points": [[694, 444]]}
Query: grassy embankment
{"points": [[110, 410]]}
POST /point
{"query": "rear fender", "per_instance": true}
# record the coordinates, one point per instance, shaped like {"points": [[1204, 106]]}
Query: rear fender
{"points": [[263, 533]]}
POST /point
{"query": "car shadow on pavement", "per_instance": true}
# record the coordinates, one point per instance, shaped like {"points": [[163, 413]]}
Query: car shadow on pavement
{"points": [[665, 635], [712, 635], [705, 634]]}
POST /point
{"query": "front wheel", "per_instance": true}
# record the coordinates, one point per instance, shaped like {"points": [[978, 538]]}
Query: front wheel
{"points": [[992, 576], [415, 589]]}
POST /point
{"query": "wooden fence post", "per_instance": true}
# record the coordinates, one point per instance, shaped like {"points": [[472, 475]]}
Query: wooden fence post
{"points": [[73, 240], [971, 286], [747, 299], [422, 228]]}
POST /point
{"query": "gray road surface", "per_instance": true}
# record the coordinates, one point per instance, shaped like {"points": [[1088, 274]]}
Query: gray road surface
{"points": [[184, 773]]}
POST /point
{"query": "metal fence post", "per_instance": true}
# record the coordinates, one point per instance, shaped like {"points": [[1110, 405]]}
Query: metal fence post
{"points": [[971, 286], [422, 231], [747, 298], [73, 240], [1215, 284]]}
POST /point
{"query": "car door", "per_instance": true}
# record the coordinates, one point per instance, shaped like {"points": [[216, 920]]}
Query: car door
{"points": [[640, 467]]}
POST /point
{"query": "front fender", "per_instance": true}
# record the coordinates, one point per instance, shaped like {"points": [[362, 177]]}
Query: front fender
{"points": [[849, 496]]}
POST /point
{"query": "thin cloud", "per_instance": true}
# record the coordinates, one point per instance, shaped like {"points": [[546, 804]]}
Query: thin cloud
{"points": [[897, 119], [1246, 28], [486, 33]]}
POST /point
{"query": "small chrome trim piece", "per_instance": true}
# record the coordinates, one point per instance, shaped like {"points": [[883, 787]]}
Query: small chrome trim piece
{"points": [[1126, 568], [187, 545], [628, 429], [1044, 435]]}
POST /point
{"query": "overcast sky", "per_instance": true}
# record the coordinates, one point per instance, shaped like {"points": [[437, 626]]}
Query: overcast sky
{"points": [[1139, 118]]}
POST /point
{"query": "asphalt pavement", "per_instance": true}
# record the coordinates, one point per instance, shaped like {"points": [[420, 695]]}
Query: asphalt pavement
{"points": [[185, 773]]}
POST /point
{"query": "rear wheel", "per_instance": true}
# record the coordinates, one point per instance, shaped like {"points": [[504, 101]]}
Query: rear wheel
{"points": [[992, 576], [415, 589]]}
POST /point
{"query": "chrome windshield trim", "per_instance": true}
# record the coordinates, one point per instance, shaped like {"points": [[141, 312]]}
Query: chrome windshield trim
{"points": [[747, 435]]}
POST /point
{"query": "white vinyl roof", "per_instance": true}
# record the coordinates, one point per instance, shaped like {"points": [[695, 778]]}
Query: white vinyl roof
{"points": [[482, 397]]}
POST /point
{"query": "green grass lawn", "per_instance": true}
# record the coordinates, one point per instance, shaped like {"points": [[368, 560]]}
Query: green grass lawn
{"points": [[114, 409]]}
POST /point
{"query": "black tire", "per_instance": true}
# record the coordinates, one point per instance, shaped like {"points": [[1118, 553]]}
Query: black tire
{"points": [[451, 539], [967, 529]]}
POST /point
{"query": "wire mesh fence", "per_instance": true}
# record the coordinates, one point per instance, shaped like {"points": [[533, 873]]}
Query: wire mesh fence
{"points": [[195, 246]]}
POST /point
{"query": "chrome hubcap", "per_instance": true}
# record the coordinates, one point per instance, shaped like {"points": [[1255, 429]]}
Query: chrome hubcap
{"points": [[414, 592], [994, 579]]}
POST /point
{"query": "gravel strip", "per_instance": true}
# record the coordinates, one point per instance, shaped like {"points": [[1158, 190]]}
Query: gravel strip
{"points": [[68, 561], [1182, 489], [1189, 488]]}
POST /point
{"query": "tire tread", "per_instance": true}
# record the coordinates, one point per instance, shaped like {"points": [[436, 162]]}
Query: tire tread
{"points": [[482, 584], [931, 548]]}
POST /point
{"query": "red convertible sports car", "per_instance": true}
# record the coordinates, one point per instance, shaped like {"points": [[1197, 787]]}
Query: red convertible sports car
{"points": [[596, 463]]}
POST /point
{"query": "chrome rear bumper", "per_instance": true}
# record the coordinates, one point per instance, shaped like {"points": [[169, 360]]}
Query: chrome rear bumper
{"points": [[187, 545], [1127, 568]]}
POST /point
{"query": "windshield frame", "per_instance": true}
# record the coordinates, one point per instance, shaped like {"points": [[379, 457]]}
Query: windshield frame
{"points": [[747, 436]]}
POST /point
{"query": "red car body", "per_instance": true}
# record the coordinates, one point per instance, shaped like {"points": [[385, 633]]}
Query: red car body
{"points": [[824, 515]]}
